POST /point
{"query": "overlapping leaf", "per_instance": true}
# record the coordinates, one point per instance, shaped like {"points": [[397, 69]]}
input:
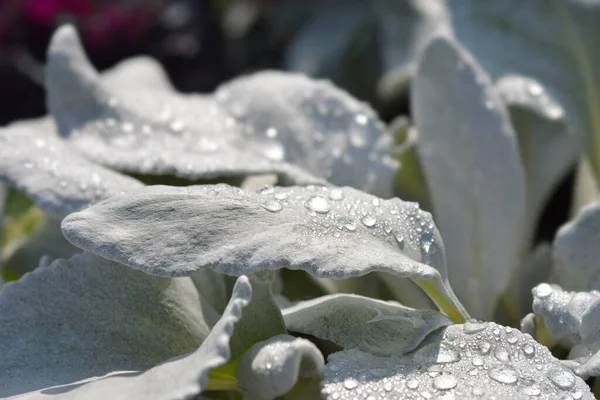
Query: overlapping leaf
{"points": [[329, 232], [356, 322], [471, 163], [545, 40], [470, 361]]}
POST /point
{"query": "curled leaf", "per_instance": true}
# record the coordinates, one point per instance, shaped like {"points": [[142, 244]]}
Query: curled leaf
{"points": [[471, 163], [272, 368], [375, 326], [328, 232]]}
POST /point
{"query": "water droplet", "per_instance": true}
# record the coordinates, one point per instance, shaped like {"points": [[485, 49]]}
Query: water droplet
{"points": [[399, 241], [502, 354], [535, 89], [350, 383], [271, 133], [318, 204], [375, 202], [127, 127], [361, 119], [471, 327], [562, 378], [445, 382], [532, 390], [281, 196], [484, 347], [528, 350], [336, 194], [543, 290], [504, 375], [267, 189], [272, 206], [387, 386], [177, 126], [477, 361], [412, 384], [426, 242], [368, 221]]}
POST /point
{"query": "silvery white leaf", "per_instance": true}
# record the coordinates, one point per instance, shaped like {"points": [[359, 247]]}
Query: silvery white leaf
{"points": [[576, 251], [547, 146], [57, 179], [328, 232], [545, 40], [562, 310], [23, 256], [149, 130], [181, 377], [573, 318], [375, 326], [471, 162], [317, 126], [87, 317], [470, 361], [272, 368]]}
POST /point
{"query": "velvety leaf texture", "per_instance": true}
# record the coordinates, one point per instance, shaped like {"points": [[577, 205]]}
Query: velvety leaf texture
{"points": [[471, 361], [471, 163], [175, 231], [182, 377], [86, 317]]}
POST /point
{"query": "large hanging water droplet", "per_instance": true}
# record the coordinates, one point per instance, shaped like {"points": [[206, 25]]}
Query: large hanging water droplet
{"points": [[368, 221], [445, 382], [272, 206], [504, 375], [318, 204], [562, 378]]}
